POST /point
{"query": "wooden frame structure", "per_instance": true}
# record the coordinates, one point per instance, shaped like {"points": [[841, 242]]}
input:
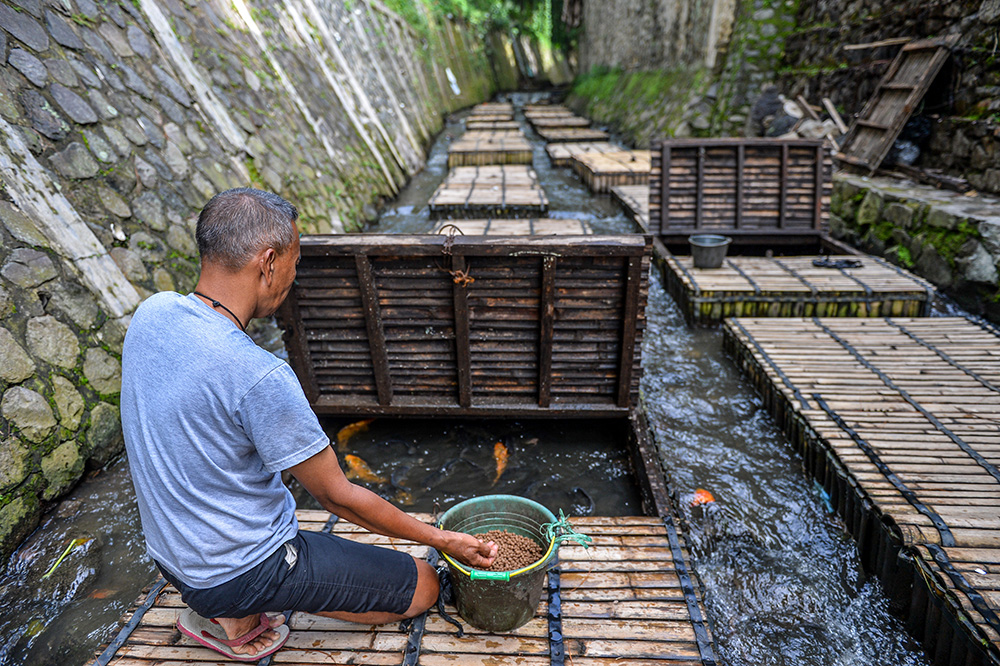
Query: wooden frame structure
{"points": [[438, 325], [771, 191], [899, 92]]}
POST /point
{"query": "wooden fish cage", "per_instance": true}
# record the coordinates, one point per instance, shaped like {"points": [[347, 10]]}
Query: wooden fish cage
{"points": [[562, 154], [559, 121], [896, 417], [757, 191], [602, 171], [438, 325], [545, 108], [530, 227], [489, 191], [474, 123], [483, 327], [480, 148], [576, 134], [635, 200], [794, 287]]}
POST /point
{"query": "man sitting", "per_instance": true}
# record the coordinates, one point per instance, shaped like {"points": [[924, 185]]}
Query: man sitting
{"points": [[210, 422]]}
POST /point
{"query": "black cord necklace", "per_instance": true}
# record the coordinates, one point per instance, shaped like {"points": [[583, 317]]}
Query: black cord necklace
{"points": [[217, 304]]}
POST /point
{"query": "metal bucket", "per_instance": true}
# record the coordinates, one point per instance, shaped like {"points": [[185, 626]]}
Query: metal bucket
{"points": [[500, 601], [708, 250]]}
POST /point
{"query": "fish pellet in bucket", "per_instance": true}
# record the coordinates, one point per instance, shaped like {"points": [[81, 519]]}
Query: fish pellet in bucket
{"points": [[513, 550]]}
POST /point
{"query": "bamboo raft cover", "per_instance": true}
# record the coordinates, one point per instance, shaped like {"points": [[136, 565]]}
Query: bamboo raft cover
{"points": [[576, 134], [531, 227], [635, 200], [559, 121], [755, 187], [794, 287], [552, 112], [476, 124], [602, 171], [620, 601], [562, 154], [489, 191], [494, 109], [545, 108], [907, 409], [480, 148], [434, 325]]}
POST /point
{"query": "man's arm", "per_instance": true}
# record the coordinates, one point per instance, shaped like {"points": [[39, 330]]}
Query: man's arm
{"points": [[322, 477]]}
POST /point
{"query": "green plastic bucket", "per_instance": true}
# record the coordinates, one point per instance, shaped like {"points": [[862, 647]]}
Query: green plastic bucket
{"points": [[500, 601]]}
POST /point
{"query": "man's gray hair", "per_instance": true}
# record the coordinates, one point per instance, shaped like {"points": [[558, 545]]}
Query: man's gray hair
{"points": [[237, 224]]}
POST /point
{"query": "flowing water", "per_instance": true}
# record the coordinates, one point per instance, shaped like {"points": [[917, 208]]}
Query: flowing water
{"points": [[782, 579]]}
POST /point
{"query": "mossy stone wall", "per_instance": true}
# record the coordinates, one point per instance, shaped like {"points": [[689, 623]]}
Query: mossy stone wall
{"points": [[119, 119], [951, 240]]}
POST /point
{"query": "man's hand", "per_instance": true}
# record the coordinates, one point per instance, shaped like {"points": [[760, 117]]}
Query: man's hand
{"points": [[470, 550]]}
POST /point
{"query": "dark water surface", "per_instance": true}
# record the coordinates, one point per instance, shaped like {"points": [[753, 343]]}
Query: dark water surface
{"points": [[783, 582]]}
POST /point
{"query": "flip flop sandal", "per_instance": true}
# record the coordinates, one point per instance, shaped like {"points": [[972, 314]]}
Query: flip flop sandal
{"points": [[210, 633]]}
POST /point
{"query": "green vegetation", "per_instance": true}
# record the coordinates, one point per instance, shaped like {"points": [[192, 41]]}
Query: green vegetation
{"points": [[537, 18]]}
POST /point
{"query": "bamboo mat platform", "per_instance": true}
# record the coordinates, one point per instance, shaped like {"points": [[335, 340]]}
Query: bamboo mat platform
{"points": [[898, 418], [635, 200], [576, 134], [482, 147], [562, 154], [626, 599], [474, 123], [532, 227], [504, 110], [489, 191], [559, 121], [602, 171], [793, 287], [545, 108]]}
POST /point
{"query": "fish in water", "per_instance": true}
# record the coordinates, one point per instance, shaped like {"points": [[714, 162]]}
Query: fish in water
{"points": [[701, 496], [588, 508], [344, 434], [439, 475], [358, 470], [500, 456]]}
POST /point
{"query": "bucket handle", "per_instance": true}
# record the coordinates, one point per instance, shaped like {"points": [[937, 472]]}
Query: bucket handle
{"points": [[475, 574]]}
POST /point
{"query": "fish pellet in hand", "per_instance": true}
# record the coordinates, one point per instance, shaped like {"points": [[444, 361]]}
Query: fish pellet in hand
{"points": [[513, 550]]}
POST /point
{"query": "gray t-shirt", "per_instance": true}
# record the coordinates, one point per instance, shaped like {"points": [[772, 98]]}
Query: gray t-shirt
{"points": [[210, 421]]}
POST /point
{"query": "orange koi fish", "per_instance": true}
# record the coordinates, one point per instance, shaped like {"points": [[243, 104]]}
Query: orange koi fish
{"points": [[500, 456], [701, 496], [344, 434], [358, 470]]}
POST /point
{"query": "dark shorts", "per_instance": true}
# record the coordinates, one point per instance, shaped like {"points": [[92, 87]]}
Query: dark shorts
{"points": [[328, 573]]}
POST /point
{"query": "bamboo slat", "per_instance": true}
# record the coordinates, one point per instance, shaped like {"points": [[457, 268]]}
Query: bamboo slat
{"points": [[603, 170], [531, 227], [561, 154], [475, 123], [489, 191], [559, 121], [576, 134], [793, 287], [897, 417], [635, 200], [634, 612]]}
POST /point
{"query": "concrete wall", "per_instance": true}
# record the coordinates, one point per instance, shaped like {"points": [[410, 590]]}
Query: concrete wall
{"points": [[119, 120], [654, 34]]}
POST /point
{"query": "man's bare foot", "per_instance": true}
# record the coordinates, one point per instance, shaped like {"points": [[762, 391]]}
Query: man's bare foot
{"points": [[236, 627]]}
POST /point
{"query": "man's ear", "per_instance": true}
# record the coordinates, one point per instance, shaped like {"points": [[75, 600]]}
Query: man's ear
{"points": [[267, 264]]}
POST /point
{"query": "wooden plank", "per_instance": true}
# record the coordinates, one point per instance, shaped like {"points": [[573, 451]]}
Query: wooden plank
{"points": [[463, 354], [547, 307], [376, 334], [633, 284]]}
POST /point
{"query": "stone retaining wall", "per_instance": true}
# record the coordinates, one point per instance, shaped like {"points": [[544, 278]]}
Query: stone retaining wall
{"points": [[120, 119], [950, 239]]}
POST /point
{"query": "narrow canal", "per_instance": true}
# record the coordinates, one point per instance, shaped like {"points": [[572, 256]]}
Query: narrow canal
{"points": [[783, 581]]}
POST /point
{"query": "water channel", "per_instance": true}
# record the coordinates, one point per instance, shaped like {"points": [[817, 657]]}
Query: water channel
{"points": [[782, 578]]}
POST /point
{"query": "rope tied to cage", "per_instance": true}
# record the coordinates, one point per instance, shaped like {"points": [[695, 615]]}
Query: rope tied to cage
{"points": [[460, 277]]}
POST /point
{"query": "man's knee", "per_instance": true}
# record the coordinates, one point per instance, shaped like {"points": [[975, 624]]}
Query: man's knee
{"points": [[426, 593]]}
